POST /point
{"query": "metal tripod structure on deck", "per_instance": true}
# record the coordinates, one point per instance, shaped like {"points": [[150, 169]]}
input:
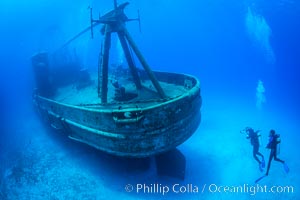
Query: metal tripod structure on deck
{"points": [[114, 22]]}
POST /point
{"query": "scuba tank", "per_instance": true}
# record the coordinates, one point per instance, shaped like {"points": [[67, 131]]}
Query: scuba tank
{"points": [[278, 141], [259, 138]]}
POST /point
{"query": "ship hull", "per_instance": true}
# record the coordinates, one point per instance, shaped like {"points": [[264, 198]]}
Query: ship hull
{"points": [[137, 129]]}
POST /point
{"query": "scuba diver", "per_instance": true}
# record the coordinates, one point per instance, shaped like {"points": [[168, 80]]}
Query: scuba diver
{"points": [[274, 140], [119, 91], [254, 139]]}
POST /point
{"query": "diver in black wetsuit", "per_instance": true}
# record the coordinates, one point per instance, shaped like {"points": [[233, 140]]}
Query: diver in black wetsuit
{"points": [[274, 140], [254, 139]]}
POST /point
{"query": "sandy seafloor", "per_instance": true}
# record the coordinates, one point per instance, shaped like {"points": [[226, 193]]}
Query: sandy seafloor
{"points": [[46, 165]]}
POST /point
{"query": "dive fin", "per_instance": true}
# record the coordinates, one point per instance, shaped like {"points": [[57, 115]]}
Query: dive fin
{"points": [[260, 178], [261, 167], [263, 163], [286, 168]]}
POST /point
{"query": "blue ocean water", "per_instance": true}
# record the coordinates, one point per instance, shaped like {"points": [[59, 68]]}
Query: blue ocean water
{"points": [[245, 53]]}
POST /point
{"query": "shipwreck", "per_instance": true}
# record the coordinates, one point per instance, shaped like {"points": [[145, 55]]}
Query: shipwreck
{"points": [[126, 111]]}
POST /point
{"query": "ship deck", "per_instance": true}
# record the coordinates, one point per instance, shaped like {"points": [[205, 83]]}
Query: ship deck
{"points": [[88, 95]]}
